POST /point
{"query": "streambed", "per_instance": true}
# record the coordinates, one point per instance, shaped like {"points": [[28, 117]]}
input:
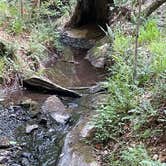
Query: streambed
{"points": [[42, 146]]}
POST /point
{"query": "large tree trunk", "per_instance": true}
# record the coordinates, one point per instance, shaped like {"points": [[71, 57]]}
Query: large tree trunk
{"points": [[90, 11]]}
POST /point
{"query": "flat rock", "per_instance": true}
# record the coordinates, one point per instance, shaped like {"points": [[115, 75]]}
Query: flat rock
{"points": [[54, 106], [42, 84], [30, 128]]}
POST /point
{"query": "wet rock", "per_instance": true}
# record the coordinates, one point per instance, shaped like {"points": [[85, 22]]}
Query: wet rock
{"points": [[45, 85], [30, 128], [56, 109], [98, 55], [4, 143]]}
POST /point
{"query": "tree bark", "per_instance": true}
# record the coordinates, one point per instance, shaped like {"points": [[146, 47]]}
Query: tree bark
{"points": [[150, 9], [90, 11]]}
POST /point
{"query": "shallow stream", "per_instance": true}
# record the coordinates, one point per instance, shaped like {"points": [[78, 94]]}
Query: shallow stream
{"points": [[43, 145]]}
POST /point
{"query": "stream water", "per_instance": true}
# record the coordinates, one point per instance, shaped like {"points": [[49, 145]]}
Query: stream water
{"points": [[42, 147]]}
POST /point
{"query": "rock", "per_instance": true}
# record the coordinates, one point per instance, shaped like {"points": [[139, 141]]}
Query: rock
{"points": [[26, 155], [31, 105], [56, 109], [75, 152], [43, 84], [53, 104], [60, 118], [79, 43], [4, 143], [30, 128], [88, 131], [98, 55], [155, 157], [25, 162], [3, 160]]}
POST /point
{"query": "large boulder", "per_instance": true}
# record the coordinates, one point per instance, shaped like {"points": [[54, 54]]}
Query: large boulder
{"points": [[75, 152], [42, 84], [56, 109]]}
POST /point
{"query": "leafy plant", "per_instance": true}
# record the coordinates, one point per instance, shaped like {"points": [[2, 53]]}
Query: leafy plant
{"points": [[137, 156], [149, 32], [158, 50]]}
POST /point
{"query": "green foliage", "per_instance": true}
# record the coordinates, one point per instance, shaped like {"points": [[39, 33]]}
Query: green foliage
{"points": [[122, 43], [149, 32], [158, 50], [16, 26], [121, 91], [10, 17], [42, 36], [134, 104], [137, 156]]}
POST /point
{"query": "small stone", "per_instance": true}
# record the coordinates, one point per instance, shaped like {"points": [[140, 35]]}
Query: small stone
{"points": [[26, 155], [56, 109], [30, 128], [63, 119], [25, 162], [4, 143], [155, 157], [32, 106]]}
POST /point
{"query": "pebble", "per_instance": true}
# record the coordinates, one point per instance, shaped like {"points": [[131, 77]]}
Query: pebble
{"points": [[30, 128]]}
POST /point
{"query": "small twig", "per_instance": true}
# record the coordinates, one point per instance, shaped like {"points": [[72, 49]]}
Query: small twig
{"points": [[136, 41]]}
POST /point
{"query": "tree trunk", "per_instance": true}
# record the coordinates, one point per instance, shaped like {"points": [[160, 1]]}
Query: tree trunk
{"points": [[90, 11]]}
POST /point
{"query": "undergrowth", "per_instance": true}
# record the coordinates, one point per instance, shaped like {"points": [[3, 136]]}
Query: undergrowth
{"points": [[135, 108]]}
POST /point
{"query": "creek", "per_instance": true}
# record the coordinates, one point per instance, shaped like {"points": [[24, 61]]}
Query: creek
{"points": [[43, 144]]}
